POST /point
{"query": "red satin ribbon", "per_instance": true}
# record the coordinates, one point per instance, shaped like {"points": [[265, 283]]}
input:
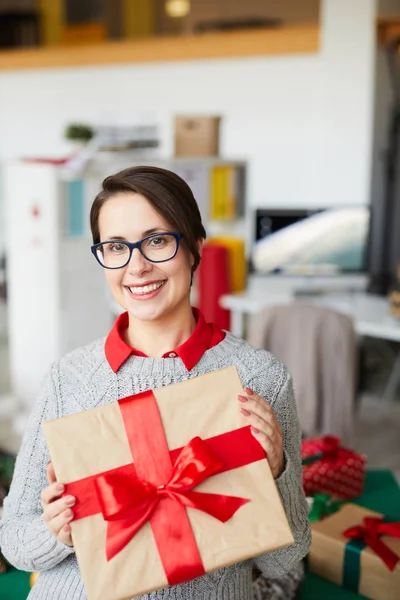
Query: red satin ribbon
{"points": [[369, 533], [157, 487], [235, 449]]}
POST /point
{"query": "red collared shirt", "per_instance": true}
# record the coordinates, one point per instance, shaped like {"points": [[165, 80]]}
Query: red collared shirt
{"points": [[205, 336]]}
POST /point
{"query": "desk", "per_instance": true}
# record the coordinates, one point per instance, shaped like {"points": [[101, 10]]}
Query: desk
{"points": [[370, 314]]}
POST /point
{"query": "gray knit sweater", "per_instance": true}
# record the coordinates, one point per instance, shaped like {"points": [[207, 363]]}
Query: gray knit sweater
{"points": [[83, 380]]}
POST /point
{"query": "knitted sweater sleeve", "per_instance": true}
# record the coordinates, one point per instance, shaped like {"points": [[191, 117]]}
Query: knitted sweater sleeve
{"points": [[289, 484], [25, 540]]}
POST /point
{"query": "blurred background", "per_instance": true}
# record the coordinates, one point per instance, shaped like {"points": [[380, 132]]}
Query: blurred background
{"points": [[284, 119]]}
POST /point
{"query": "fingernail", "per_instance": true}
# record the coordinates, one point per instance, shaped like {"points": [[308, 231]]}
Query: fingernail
{"points": [[69, 513], [69, 500], [245, 412], [242, 399], [60, 487], [254, 430], [249, 391]]}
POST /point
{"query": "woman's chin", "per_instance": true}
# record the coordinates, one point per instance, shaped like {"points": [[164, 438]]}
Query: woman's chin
{"points": [[145, 311]]}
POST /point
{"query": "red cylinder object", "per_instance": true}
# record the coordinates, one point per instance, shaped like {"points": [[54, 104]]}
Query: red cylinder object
{"points": [[213, 282]]}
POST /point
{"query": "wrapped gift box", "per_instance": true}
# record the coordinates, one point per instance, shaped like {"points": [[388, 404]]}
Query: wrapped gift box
{"points": [[350, 562], [330, 469], [135, 527]]}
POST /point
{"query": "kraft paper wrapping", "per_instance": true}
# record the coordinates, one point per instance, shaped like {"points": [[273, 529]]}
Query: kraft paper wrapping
{"points": [[94, 441], [327, 554]]}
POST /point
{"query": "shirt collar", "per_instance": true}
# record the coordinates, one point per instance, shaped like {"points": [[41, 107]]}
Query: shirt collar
{"points": [[205, 336]]}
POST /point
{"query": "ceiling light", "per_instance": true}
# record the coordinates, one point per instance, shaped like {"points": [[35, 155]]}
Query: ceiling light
{"points": [[177, 8]]}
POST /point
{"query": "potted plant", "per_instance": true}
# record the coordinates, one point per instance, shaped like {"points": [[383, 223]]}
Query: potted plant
{"points": [[79, 134]]}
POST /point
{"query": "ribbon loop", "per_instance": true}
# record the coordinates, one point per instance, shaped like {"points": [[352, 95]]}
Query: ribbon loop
{"points": [[121, 493], [195, 464], [329, 443], [369, 533]]}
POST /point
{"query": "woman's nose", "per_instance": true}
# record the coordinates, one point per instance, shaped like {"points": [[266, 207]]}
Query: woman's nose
{"points": [[138, 263]]}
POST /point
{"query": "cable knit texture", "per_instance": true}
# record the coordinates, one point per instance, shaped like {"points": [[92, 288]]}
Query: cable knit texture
{"points": [[83, 380]]}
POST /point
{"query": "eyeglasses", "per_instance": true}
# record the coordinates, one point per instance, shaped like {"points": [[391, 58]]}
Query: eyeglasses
{"points": [[156, 248]]}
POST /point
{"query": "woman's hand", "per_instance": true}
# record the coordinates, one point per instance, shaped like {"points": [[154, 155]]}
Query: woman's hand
{"points": [[57, 512], [265, 429]]}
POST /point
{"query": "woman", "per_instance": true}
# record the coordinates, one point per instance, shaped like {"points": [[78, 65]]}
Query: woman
{"points": [[148, 236]]}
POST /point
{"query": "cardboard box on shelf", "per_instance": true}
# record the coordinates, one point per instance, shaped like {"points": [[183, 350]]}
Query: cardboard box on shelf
{"points": [[197, 135]]}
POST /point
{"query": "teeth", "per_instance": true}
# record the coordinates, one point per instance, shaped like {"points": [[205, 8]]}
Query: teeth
{"points": [[146, 289]]}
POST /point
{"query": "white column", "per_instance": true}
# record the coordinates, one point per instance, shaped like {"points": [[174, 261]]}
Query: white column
{"points": [[32, 217], [348, 48]]}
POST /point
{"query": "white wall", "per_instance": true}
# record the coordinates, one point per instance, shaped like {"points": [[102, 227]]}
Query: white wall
{"points": [[269, 108], [302, 122]]}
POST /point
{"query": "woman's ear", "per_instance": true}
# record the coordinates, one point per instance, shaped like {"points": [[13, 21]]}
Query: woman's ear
{"points": [[200, 245]]}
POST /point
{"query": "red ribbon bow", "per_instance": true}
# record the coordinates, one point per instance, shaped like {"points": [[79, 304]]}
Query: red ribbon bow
{"points": [[329, 445], [127, 502], [369, 533], [331, 449]]}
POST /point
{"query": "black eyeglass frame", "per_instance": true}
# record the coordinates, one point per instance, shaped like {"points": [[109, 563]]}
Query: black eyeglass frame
{"points": [[138, 245]]}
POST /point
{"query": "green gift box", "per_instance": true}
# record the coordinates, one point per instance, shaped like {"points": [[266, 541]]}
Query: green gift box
{"points": [[322, 505]]}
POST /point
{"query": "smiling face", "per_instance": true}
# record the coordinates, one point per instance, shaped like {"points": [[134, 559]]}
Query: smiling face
{"points": [[148, 291]]}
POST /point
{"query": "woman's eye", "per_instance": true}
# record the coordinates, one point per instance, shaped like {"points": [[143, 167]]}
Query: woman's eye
{"points": [[115, 247], [158, 241]]}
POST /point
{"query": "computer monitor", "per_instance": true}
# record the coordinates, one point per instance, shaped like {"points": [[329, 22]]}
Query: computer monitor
{"points": [[311, 242]]}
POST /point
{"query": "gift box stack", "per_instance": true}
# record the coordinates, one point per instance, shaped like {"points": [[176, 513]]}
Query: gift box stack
{"points": [[352, 546], [170, 484]]}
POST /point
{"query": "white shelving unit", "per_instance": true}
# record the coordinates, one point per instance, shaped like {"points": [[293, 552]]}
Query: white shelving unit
{"points": [[56, 296]]}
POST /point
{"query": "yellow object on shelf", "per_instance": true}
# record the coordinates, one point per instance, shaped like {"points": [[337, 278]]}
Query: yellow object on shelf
{"points": [[32, 578], [223, 193], [237, 260], [52, 17], [138, 18]]}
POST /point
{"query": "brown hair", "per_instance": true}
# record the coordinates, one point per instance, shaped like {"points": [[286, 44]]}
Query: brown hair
{"points": [[169, 195]]}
